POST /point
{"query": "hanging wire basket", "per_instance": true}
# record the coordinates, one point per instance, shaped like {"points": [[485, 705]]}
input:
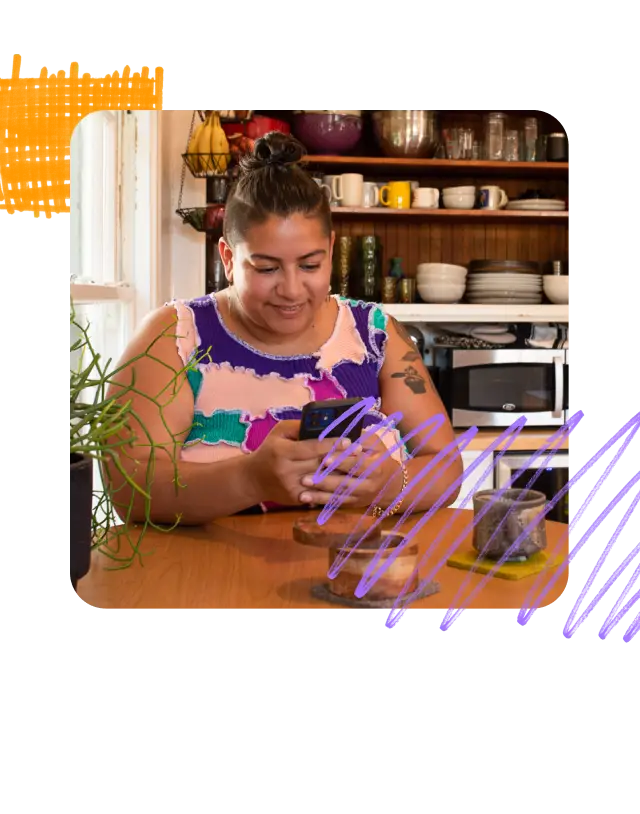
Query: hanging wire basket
{"points": [[206, 165], [207, 219], [201, 218]]}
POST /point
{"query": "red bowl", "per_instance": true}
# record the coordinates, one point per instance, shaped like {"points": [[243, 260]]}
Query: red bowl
{"points": [[256, 127]]}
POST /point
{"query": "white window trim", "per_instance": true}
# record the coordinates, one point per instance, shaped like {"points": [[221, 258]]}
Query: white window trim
{"points": [[135, 255], [85, 293]]}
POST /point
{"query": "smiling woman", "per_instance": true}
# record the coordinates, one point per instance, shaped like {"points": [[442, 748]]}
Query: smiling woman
{"points": [[261, 349]]}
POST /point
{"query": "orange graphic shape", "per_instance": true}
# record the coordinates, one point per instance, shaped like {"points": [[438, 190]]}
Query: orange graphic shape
{"points": [[37, 117]]}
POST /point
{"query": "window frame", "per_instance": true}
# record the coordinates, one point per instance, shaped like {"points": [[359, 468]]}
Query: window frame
{"points": [[116, 215]]}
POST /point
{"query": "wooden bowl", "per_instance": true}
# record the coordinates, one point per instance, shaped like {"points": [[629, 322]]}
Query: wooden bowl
{"points": [[390, 584], [340, 537]]}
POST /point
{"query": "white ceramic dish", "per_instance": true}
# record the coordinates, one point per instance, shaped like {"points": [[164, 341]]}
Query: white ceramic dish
{"points": [[449, 268], [491, 299], [430, 297], [459, 191], [445, 276], [459, 203], [556, 287], [537, 205], [473, 283]]}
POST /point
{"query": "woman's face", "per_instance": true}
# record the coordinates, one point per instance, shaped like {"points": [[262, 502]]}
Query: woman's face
{"points": [[281, 272]]}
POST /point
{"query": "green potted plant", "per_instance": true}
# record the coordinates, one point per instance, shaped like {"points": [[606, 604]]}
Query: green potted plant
{"points": [[101, 431]]}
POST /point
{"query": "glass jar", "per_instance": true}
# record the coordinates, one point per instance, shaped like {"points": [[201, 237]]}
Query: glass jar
{"points": [[367, 285], [512, 145], [530, 138], [494, 134]]}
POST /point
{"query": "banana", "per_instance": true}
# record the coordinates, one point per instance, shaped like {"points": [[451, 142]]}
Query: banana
{"points": [[219, 144], [196, 161], [204, 145]]}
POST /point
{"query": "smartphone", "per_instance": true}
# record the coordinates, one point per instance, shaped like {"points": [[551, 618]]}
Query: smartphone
{"points": [[318, 415]]}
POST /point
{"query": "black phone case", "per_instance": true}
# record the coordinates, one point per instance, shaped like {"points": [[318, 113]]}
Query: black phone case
{"points": [[338, 407]]}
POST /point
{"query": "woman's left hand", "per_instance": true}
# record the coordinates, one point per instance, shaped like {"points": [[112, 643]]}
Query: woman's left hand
{"points": [[366, 453]]}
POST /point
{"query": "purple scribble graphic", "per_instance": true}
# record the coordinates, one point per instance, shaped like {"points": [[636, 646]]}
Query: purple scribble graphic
{"points": [[614, 616], [446, 456]]}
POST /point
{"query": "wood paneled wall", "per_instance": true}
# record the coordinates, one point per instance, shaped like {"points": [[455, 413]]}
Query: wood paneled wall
{"points": [[459, 243]]}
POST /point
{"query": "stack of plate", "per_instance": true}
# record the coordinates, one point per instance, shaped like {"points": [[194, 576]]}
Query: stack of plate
{"points": [[504, 282], [537, 205]]}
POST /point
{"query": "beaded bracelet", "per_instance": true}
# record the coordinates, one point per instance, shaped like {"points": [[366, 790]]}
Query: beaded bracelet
{"points": [[378, 511]]}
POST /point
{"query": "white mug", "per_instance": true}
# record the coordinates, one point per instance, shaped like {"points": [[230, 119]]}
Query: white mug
{"points": [[328, 181], [493, 198], [370, 195], [325, 187], [426, 198], [348, 189]]}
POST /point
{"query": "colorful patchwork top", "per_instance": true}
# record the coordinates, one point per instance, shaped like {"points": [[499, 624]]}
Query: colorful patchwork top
{"points": [[241, 392]]}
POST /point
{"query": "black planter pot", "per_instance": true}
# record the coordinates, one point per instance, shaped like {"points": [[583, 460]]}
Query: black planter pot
{"points": [[81, 506]]}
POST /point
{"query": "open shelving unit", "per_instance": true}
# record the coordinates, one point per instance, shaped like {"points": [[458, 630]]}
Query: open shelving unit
{"points": [[454, 235], [449, 235]]}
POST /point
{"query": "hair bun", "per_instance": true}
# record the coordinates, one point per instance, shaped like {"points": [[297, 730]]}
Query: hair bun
{"points": [[273, 149]]}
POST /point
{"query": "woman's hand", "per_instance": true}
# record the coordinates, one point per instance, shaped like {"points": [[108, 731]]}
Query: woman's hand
{"points": [[281, 461], [363, 491]]}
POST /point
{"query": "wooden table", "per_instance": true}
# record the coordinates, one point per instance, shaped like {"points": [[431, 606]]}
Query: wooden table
{"points": [[253, 562]]}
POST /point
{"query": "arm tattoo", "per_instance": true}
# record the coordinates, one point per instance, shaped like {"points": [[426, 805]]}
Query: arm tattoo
{"points": [[412, 378], [410, 356]]}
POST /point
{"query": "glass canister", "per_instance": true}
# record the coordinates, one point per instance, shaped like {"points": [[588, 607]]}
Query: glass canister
{"points": [[495, 126], [530, 138], [366, 279], [342, 265]]}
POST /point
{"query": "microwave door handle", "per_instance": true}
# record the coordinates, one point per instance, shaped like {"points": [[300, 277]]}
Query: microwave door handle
{"points": [[559, 386]]}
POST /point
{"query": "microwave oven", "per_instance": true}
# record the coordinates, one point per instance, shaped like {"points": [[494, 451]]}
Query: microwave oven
{"points": [[553, 477], [494, 388]]}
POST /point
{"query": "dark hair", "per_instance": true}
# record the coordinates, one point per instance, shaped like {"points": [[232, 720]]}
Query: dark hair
{"points": [[271, 182]]}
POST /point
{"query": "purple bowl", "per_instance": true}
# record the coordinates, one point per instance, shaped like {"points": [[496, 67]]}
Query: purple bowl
{"points": [[332, 133]]}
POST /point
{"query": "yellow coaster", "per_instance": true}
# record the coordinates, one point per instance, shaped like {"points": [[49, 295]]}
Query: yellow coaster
{"points": [[508, 570]]}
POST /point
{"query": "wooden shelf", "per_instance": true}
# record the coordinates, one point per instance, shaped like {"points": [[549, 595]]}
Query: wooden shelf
{"points": [[438, 166], [460, 214], [460, 312]]}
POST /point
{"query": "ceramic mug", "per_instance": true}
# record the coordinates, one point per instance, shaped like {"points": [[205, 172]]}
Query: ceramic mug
{"points": [[328, 181], [370, 195], [426, 198], [493, 198], [325, 187], [398, 195], [348, 189]]}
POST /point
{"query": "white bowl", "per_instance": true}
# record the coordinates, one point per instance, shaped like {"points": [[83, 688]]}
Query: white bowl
{"points": [[430, 292], [459, 202], [456, 196], [446, 268], [459, 191], [556, 287], [439, 279]]}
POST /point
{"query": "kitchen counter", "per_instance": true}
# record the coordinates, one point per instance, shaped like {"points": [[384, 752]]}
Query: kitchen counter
{"points": [[528, 440], [253, 562]]}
